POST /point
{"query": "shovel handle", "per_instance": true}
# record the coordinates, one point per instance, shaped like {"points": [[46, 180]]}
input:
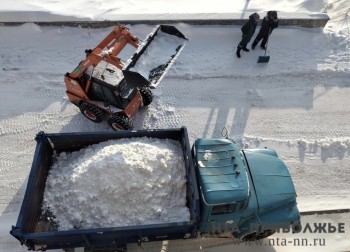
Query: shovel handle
{"points": [[267, 41]]}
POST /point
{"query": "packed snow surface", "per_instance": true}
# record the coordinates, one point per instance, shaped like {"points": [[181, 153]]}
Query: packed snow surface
{"points": [[116, 183], [297, 104]]}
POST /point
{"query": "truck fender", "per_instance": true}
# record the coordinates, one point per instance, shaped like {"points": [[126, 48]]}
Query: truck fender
{"points": [[265, 151]]}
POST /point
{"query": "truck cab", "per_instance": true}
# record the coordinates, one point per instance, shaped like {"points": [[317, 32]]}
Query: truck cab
{"points": [[247, 193]]}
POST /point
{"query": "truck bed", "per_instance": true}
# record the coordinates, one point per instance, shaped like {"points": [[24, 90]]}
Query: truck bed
{"points": [[35, 230]]}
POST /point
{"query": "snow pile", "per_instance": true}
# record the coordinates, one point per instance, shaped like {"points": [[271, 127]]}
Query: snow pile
{"points": [[118, 183]]}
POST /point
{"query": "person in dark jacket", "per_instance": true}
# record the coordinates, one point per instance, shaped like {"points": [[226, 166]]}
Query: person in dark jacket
{"points": [[268, 23], [248, 30]]}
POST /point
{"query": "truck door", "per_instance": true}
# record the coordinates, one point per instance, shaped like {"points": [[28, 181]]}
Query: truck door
{"points": [[222, 218]]}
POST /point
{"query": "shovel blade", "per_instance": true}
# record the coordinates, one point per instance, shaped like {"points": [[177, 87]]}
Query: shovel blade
{"points": [[263, 59]]}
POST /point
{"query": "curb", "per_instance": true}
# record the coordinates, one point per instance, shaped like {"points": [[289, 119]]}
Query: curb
{"points": [[331, 211], [308, 20]]}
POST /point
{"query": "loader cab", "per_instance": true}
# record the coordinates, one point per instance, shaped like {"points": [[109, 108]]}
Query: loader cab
{"points": [[118, 97], [109, 85]]}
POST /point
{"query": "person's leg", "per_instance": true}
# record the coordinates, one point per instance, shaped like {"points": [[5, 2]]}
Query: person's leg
{"points": [[238, 52], [263, 43], [244, 42], [242, 45], [257, 39]]}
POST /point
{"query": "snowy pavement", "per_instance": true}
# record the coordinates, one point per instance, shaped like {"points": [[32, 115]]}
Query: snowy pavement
{"points": [[297, 104]]}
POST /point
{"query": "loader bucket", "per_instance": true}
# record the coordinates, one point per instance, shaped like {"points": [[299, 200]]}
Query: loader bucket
{"points": [[157, 53], [134, 79], [171, 30]]}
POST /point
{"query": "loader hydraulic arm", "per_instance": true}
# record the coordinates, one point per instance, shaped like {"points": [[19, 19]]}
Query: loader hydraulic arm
{"points": [[107, 50]]}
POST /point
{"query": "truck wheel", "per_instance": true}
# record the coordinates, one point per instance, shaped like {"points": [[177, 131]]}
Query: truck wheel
{"points": [[253, 236], [265, 234], [121, 248], [119, 122], [248, 237], [91, 112], [114, 248], [296, 227], [147, 96]]}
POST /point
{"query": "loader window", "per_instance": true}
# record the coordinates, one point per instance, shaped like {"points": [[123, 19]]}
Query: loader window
{"points": [[126, 91], [102, 93], [97, 91], [109, 96], [223, 209]]}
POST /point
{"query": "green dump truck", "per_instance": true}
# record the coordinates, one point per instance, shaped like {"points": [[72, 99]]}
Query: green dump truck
{"points": [[244, 193]]}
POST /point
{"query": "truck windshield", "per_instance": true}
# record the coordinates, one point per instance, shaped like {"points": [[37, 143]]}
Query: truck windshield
{"points": [[223, 209]]}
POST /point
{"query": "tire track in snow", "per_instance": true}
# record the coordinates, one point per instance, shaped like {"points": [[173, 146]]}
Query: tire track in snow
{"points": [[293, 112], [297, 102], [33, 122]]}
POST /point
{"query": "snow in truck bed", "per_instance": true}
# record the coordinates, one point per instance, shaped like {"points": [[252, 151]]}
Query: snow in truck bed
{"points": [[116, 183]]}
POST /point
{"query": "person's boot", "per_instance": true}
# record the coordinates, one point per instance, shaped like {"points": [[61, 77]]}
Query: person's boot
{"points": [[238, 52], [254, 44], [245, 49], [263, 47]]}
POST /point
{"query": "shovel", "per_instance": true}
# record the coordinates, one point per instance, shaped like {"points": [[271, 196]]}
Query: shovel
{"points": [[265, 59]]}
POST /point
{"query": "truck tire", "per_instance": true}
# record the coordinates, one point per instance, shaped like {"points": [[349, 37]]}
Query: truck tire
{"points": [[296, 227], [147, 96], [265, 234], [91, 112], [253, 236], [120, 122], [248, 237], [114, 248]]}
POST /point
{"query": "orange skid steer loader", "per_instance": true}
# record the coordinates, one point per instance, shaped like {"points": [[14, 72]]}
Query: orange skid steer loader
{"points": [[106, 88]]}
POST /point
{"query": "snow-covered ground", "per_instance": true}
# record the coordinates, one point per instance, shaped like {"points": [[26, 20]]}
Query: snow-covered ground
{"points": [[298, 103]]}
